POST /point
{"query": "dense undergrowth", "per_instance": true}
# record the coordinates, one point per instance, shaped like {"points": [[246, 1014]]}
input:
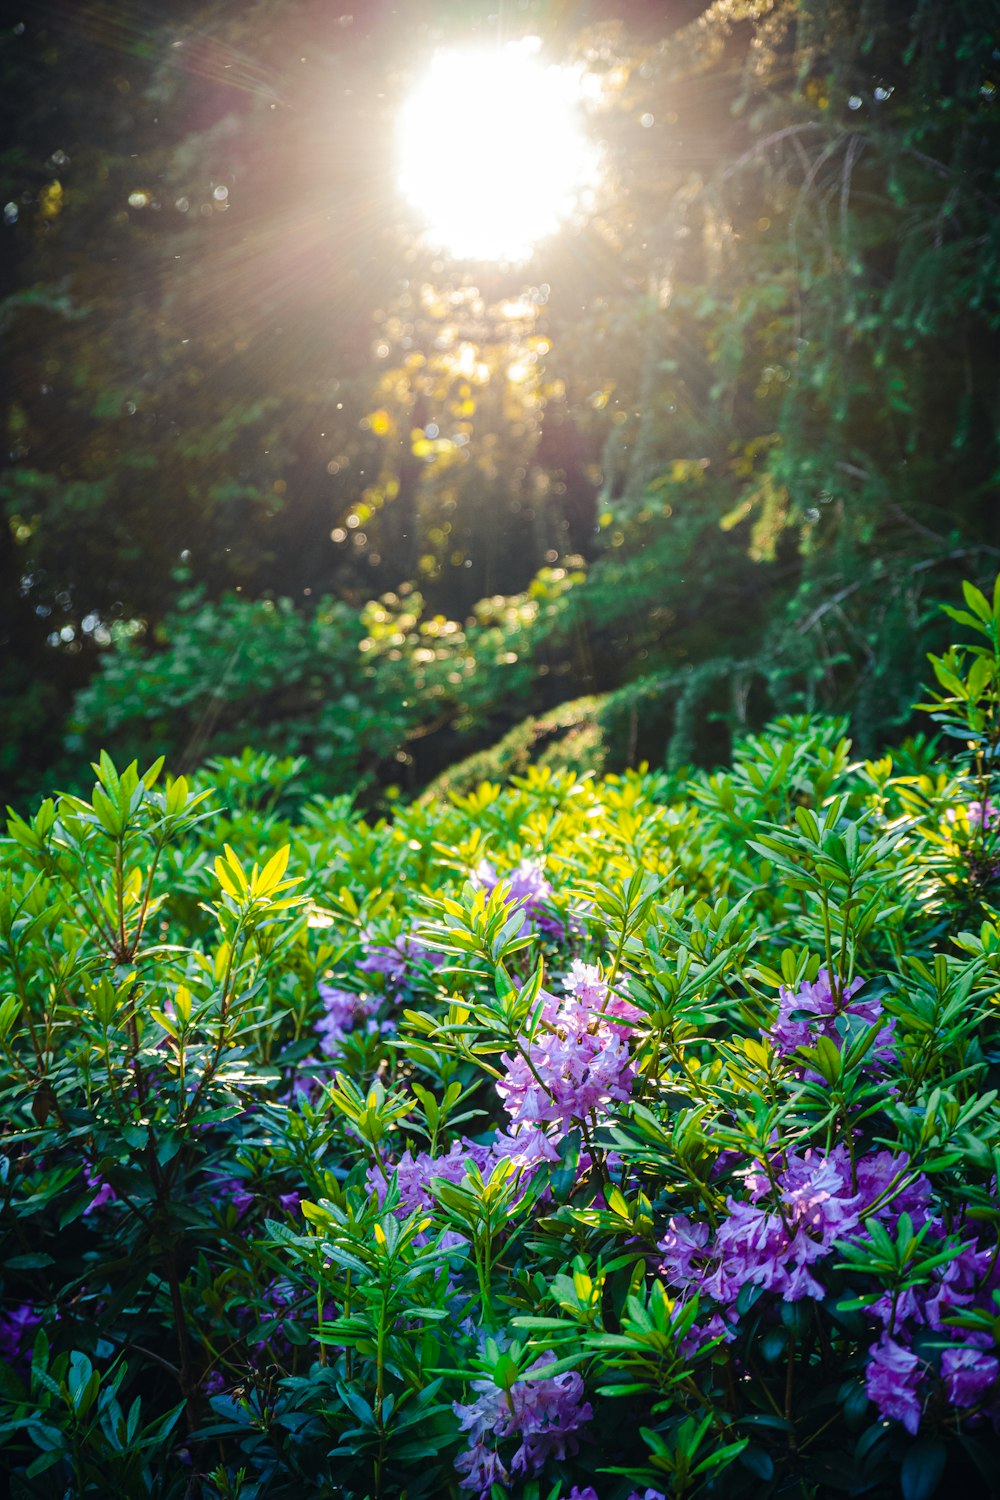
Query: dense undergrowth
{"points": [[569, 1139]]}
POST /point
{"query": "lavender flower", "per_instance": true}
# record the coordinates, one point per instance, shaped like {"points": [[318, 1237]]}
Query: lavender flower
{"points": [[981, 815], [879, 1172], [342, 1010], [546, 1413], [105, 1193], [397, 959], [17, 1329], [892, 1381], [528, 888], [526, 1146], [576, 1062], [585, 984], [812, 1011], [415, 1173], [772, 1248], [968, 1374], [958, 1283]]}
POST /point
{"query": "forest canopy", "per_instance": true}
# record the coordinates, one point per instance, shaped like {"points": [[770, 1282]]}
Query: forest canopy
{"points": [[280, 471]]}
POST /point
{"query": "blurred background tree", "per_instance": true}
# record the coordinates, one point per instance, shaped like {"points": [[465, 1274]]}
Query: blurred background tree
{"points": [[279, 472]]}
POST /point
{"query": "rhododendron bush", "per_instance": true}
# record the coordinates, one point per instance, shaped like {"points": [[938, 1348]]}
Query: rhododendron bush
{"points": [[573, 1141]]}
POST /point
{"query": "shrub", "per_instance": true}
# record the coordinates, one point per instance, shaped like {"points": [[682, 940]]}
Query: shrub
{"points": [[575, 1138]]}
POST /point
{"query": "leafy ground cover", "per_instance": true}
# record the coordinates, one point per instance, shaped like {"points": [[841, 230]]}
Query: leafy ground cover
{"points": [[567, 1139]]}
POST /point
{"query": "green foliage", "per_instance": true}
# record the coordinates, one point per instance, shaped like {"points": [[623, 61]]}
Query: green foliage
{"points": [[244, 1036], [348, 692], [221, 675], [753, 392]]}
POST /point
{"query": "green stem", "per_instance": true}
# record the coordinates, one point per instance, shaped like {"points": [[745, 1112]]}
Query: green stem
{"points": [[828, 943], [121, 947], [380, 1397], [146, 897]]}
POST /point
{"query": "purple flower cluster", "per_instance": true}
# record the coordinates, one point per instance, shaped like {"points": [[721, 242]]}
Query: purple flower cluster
{"points": [[896, 1379], [17, 1332], [578, 1058], [343, 1010], [767, 1245], [589, 1493], [232, 1190], [982, 815], [585, 984], [526, 1146], [416, 1171], [544, 1413], [891, 1381], [396, 960], [799, 1206], [813, 1010], [528, 888], [968, 1374]]}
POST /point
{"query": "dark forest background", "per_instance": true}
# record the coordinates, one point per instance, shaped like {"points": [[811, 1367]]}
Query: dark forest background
{"points": [[277, 474]]}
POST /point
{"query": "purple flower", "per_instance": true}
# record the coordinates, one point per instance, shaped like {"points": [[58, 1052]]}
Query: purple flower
{"points": [[396, 959], [17, 1330], [232, 1188], [981, 814], [649, 1494], [342, 1010], [528, 888], [682, 1245], [957, 1283], [526, 1146], [576, 1062], [812, 1011], [546, 1413], [760, 1245], [290, 1202], [877, 1173], [585, 984], [307, 1080], [105, 1192], [415, 1173], [892, 1380], [968, 1374]]}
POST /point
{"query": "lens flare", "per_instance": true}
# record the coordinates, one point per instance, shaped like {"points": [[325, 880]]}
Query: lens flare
{"points": [[492, 153]]}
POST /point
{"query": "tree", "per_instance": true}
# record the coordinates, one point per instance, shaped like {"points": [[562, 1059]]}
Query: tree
{"points": [[762, 363]]}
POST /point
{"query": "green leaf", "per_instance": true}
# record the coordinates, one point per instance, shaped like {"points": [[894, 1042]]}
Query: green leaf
{"points": [[977, 602], [923, 1466], [758, 1461]]}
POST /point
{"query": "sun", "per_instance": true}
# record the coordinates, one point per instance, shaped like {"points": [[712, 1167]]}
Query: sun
{"points": [[492, 152]]}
